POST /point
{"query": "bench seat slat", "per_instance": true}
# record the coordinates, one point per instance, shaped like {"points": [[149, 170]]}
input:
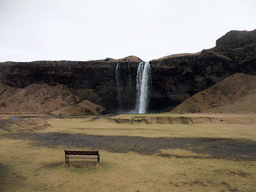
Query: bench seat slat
{"points": [[68, 152], [82, 157]]}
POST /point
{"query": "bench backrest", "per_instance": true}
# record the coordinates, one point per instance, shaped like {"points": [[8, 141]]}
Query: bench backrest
{"points": [[69, 152]]}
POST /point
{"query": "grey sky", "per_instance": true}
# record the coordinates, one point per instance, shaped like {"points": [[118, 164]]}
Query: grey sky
{"points": [[97, 29]]}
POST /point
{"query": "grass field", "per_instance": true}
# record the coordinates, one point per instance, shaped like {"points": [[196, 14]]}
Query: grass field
{"points": [[167, 152]]}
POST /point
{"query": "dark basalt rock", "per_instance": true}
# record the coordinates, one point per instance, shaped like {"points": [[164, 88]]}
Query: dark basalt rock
{"points": [[98, 76], [177, 77], [236, 39]]}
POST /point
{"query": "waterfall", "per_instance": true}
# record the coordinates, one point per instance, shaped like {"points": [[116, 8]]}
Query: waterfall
{"points": [[143, 83], [124, 86], [126, 92]]}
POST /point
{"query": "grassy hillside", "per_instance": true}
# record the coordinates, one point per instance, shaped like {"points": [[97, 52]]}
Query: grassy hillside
{"points": [[235, 94], [43, 98]]}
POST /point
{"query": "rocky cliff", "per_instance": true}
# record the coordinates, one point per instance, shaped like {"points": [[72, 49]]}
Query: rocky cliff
{"points": [[177, 77], [91, 80], [174, 77]]}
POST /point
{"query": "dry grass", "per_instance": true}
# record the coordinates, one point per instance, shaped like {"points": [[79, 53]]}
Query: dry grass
{"points": [[106, 127], [235, 94], [177, 55], [28, 167], [130, 58], [45, 99]]}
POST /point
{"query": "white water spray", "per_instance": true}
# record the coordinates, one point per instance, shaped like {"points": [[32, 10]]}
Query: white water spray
{"points": [[143, 87]]}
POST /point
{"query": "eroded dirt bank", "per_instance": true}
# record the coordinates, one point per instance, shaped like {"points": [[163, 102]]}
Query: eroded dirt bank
{"points": [[187, 118]]}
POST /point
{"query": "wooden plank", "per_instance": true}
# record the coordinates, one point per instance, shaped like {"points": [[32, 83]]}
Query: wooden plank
{"points": [[74, 152], [82, 157]]}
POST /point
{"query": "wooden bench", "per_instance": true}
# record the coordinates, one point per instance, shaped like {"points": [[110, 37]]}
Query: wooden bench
{"points": [[73, 154]]}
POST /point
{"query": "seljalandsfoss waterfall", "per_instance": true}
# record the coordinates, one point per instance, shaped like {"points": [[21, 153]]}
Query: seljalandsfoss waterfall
{"points": [[143, 82], [126, 88]]}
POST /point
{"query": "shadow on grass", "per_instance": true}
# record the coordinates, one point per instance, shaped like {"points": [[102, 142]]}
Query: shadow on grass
{"points": [[237, 149], [73, 164], [9, 178]]}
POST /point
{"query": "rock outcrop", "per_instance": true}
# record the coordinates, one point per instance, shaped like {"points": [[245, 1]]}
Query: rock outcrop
{"points": [[235, 39]]}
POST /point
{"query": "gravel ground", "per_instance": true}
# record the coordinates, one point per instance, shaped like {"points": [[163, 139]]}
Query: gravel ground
{"points": [[216, 148]]}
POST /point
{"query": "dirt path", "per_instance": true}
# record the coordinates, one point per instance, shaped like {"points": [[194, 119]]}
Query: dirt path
{"points": [[216, 148]]}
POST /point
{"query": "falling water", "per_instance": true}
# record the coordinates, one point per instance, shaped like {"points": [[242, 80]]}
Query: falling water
{"points": [[126, 89], [143, 87]]}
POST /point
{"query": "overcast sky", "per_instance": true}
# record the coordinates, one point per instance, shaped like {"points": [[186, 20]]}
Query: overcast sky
{"points": [[96, 29]]}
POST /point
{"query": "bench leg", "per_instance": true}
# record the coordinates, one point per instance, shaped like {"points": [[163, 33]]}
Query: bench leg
{"points": [[66, 159], [99, 159]]}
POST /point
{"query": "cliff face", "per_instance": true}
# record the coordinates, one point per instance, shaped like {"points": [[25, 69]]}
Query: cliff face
{"points": [[174, 78], [177, 77], [92, 80]]}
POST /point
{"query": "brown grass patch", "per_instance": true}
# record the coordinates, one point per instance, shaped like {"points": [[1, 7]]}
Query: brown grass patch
{"points": [[45, 99], [177, 55], [235, 94]]}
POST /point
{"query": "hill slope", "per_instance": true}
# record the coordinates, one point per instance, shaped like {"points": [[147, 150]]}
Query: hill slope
{"points": [[43, 98], [235, 94]]}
